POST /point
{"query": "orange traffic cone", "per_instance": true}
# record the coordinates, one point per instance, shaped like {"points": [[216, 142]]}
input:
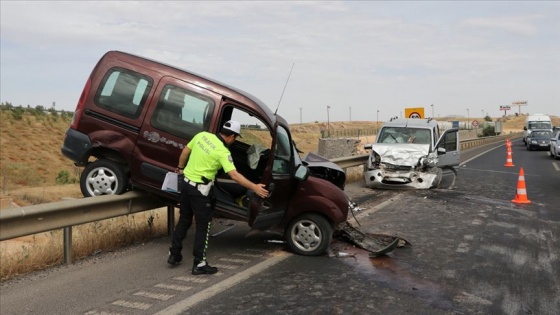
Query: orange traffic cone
{"points": [[521, 196], [509, 161]]}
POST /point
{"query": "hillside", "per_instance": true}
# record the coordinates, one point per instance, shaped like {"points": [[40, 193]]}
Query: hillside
{"points": [[31, 161]]}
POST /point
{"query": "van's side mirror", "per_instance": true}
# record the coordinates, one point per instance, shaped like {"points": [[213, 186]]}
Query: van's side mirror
{"points": [[302, 172], [524, 127], [367, 147], [441, 151]]}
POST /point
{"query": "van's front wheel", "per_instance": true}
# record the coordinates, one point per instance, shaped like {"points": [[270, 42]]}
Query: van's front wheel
{"points": [[309, 234], [103, 177]]}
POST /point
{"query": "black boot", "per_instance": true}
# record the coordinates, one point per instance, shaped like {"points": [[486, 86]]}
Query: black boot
{"points": [[174, 260], [203, 268]]}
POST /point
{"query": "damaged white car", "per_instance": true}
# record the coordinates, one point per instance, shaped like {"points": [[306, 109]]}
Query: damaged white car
{"points": [[411, 153]]}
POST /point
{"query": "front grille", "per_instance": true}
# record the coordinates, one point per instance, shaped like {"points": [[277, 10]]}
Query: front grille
{"points": [[394, 168]]}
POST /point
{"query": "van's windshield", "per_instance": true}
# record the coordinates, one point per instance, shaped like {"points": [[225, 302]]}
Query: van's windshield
{"points": [[404, 135], [540, 125]]}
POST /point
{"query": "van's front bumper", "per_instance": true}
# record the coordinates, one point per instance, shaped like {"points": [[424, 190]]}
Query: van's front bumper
{"points": [[76, 146], [377, 178]]}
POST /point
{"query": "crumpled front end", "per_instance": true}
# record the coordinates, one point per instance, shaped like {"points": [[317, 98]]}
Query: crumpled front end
{"points": [[402, 166]]}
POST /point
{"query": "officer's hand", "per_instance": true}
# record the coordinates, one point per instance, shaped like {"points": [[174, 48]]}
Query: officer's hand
{"points": [[260, 191]]}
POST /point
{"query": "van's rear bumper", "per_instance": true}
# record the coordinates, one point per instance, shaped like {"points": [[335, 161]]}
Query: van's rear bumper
{"points": [[76, 146]]}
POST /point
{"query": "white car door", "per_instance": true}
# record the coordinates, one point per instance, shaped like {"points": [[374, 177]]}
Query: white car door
{"points": [[449, 141]]}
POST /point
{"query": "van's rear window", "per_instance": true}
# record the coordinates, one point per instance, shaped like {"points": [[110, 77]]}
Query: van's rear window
{"points": [[123, 92]]}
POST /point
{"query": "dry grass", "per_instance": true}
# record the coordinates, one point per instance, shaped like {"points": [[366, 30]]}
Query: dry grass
{"points": [[40, 251], [30, 161]]}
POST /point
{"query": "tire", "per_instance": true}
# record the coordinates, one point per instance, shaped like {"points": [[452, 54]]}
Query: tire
{"points": [[309, 234], [103, 177]]}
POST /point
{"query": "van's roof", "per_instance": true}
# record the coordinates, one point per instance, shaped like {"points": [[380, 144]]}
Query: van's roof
{"points": [[412, 122], [200, 80]]}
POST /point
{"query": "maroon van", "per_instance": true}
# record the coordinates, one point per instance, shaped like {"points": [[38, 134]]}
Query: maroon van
{"points": [[135, 116]]}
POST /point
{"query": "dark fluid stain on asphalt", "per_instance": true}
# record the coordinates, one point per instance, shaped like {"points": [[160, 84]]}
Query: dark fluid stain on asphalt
{"points": [[387, 271]]}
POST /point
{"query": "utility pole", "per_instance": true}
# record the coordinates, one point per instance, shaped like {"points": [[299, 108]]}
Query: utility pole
{"points": [[300, 115], [328, 123], [377, 122]]}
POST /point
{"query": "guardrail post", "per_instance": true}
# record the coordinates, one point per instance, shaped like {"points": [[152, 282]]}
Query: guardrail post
{"points": [[68, 245], [170, 219]]}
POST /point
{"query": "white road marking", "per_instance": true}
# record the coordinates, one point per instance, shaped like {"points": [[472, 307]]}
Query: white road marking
{"points": [[374, 209], [248, 255], [155, 296], [236, 261], [192, 279], [556, 166], [182, 288], [135, 305], [474, 157], [94, 312], [219, 287]]}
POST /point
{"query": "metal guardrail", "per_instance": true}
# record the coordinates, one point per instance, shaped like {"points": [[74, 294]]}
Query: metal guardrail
{"points": [[16, 222]]}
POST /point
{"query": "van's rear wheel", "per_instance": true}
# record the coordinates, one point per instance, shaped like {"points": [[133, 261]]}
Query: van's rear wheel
{"points": [[103, 177], [309, 234]]}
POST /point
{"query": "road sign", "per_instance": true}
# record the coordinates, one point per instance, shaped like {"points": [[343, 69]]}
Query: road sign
{"points": [[475, 123], [414, 112]]}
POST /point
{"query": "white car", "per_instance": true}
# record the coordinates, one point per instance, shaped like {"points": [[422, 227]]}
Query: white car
{"points": [[410, 154], [555, 145]]}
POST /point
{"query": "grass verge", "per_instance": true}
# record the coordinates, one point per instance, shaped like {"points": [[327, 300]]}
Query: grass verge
{"points": [[41, 251]]}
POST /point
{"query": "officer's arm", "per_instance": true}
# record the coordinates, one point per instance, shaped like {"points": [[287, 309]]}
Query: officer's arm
{"points": [[241, 180], [184, 158]]}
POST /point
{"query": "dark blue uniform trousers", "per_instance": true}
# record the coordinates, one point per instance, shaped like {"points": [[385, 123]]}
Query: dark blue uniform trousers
{"points": [[193, 203]]}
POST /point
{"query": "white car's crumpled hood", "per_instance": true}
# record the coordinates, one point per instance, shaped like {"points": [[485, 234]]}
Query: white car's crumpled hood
{"points": [[403, 154]]}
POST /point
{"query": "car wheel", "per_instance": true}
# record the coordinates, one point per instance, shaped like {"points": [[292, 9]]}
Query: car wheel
{"points": [[103, 177], [309, 234]]}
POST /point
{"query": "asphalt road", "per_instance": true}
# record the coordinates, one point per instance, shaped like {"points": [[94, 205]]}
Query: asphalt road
{"points": [[473, 252]]}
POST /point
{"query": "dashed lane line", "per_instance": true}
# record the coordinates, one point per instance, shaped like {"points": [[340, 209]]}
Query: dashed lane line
{"points": [[219, 287]]}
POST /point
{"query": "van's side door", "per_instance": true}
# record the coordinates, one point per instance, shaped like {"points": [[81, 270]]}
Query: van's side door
{"points": [[279, 176], [449, 140], [178, 111]]}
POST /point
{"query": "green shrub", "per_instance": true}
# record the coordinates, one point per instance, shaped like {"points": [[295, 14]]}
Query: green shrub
{"points": [[63, 178], [488, 131]]}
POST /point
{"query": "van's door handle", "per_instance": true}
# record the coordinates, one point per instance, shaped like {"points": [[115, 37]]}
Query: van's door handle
{"points": [[270, 189]]}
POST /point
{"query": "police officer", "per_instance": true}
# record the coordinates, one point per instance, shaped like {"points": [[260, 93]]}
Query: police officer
{"points": [[200, 160]]}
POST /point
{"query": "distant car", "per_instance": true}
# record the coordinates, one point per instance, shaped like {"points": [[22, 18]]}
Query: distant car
{"points": [[539, 139], [555, 145]]}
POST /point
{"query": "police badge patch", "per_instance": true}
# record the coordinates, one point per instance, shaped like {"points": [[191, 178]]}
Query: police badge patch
{"points": [[230, 158]]}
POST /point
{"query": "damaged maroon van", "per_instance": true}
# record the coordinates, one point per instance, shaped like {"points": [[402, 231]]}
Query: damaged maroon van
{"points": [[135, 116]]}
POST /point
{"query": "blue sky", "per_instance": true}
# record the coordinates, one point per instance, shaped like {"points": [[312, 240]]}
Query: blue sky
{"points": [[355, 56]]}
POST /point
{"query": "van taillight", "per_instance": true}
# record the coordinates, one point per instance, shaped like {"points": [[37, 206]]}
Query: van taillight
{"points": [[81, 104]]}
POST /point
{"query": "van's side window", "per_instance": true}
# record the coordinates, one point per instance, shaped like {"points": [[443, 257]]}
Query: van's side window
{"points": [[123, 92], [181, 112]]}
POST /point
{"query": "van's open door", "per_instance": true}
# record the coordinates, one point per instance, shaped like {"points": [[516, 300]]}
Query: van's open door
{"points": [[268, 212], [449, 141]]}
